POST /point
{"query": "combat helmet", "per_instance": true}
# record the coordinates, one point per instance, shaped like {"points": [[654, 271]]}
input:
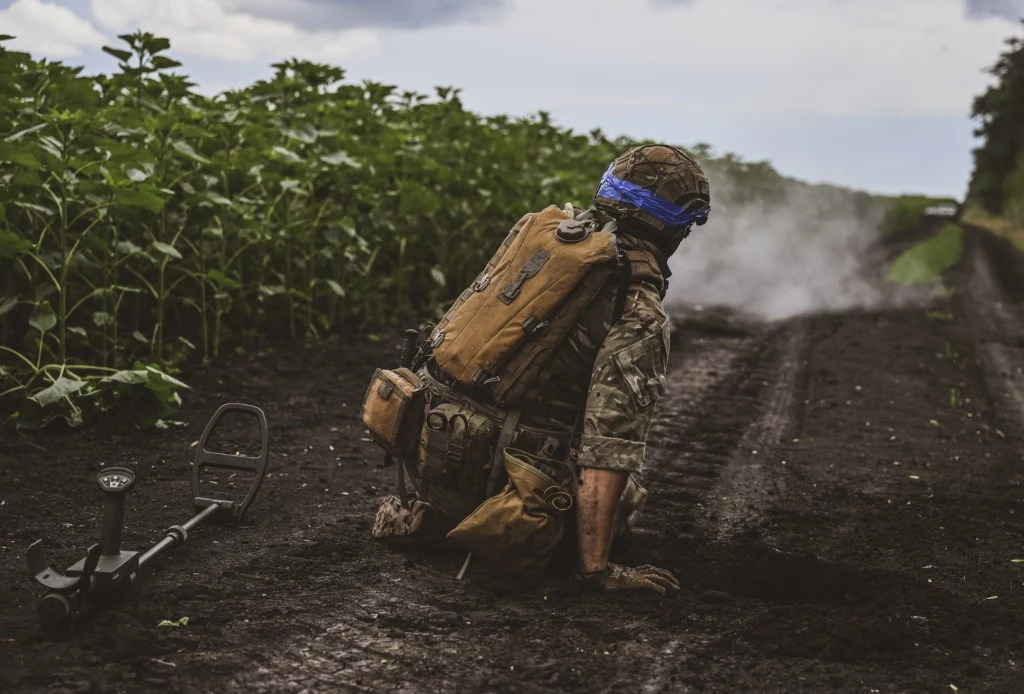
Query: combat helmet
{"points": [[657, 192]]}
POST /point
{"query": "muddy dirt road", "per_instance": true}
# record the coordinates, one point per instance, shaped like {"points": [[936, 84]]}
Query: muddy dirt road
{"points": [[840, 496]]}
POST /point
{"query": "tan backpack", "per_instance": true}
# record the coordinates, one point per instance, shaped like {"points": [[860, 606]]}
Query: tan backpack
{"points": [[500, 332]]}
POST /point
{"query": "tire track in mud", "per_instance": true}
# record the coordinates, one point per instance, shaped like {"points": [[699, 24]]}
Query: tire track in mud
{"points": [[685, 458], [752, 387], [698, 371], [685, 455], [753, 475], [717, 476], [997, 329]]}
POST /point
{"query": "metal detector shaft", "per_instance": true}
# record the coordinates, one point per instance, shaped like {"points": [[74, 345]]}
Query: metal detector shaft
{"points": [[177, 534], [107, 571]]}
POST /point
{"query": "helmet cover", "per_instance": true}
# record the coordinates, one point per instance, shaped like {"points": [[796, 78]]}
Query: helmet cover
{"points": [[660, 187]]}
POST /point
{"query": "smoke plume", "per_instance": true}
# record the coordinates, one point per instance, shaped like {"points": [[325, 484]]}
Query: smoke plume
{"points": [[801, 252]]}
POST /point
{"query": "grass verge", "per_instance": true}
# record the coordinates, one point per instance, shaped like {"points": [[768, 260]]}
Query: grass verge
{"points": [[926, 261]]}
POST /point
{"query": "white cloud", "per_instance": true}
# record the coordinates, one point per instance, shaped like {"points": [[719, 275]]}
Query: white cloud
{"points": [[765, 79], [208, 28], [735, 58], [47, 29]]}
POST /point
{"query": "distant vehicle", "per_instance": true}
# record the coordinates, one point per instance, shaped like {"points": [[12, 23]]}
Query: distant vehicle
{"points": [[944, 210]]}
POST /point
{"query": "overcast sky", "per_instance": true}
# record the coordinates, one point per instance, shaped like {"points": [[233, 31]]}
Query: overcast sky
{"points": [[873, 94]]}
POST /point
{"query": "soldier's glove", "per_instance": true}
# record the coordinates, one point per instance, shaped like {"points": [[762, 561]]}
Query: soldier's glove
{"points": [[614, 578]]}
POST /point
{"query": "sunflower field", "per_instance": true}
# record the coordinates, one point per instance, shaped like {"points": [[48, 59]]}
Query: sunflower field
{"points": [[144, 225]]}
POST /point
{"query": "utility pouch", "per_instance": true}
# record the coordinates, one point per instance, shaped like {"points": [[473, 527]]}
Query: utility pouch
{"points": [[518, 530], [457, 447], [393, 410]]}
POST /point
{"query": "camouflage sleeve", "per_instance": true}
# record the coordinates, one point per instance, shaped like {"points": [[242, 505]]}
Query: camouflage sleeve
{"points": [[628, 379]]}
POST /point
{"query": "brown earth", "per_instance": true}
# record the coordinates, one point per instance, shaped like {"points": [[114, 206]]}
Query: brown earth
{"points": [[839, 495]]}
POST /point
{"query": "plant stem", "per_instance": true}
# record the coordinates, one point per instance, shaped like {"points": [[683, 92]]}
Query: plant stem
{"points": [[65, 260]]}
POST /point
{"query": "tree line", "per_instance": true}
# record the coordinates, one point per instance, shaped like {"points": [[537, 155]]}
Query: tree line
{"points": [[997, 183]]}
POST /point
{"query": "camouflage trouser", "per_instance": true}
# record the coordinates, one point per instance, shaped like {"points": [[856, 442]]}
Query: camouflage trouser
{"points": [[417, 523], [447, 506], [428, 518]]}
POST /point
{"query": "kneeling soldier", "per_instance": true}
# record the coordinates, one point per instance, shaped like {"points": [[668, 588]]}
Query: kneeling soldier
{"points": [[543, 377]]}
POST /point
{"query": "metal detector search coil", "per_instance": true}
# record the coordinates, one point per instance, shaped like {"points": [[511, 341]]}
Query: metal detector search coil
{"points": [[106, 571]]}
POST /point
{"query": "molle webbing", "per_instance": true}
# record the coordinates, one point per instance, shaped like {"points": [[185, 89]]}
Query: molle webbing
{"points": [[544, 417], [511, 429]]}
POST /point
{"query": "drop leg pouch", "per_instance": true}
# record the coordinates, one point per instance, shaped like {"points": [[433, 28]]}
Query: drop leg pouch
{"points": [[519, 529], [456, 448]]}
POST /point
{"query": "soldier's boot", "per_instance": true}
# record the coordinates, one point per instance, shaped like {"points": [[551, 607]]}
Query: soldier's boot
{"points": [[397, 524]]}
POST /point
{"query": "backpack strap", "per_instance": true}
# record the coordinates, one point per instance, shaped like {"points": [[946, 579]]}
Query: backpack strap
{"points": [[637, 266], [644, 267], [624, 279], [403, 493], [508, 431]]}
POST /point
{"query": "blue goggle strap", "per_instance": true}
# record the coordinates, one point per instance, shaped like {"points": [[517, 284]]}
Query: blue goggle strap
{"points": [[614, 188]]}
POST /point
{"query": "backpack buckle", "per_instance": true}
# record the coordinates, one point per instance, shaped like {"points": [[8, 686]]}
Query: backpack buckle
{"points": [[534, 326], [483, 377]]}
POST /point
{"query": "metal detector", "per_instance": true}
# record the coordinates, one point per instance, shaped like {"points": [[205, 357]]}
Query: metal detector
{"points": [[107, 571]]}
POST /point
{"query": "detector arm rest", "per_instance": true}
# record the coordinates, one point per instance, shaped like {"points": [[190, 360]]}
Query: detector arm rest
{"points": [[49, 578]]}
